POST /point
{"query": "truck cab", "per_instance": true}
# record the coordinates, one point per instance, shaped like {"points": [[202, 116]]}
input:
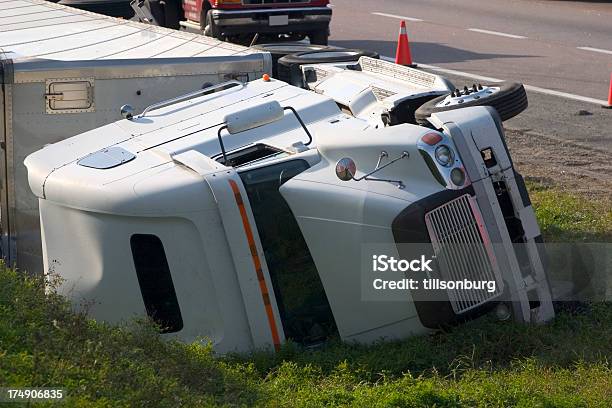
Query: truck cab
{"points": [[294, 19], [250, 215]]}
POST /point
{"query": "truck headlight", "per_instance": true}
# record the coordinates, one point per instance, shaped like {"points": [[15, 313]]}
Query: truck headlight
{"points": [[444, 155], [458, 177]]}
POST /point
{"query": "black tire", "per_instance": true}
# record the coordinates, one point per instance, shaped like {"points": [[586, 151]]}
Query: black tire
{"points": [[172, 11], [319, 37], [210, 29], [509, 101], [289, 66], [279, 50]]}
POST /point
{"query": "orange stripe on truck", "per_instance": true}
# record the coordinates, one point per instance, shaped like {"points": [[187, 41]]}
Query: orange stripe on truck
{"points": [[265, 294]]}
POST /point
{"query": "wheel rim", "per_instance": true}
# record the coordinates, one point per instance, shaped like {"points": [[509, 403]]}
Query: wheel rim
{"points": [[469, 95]]}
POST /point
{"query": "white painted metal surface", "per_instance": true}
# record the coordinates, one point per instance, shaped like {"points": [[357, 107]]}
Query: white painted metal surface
{"points": [[64, 71], [371, 87], [41, 29]]}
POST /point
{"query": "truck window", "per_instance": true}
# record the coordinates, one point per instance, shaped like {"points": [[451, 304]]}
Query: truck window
{"points": [[302, 303], [155, 282], [249, 154]]}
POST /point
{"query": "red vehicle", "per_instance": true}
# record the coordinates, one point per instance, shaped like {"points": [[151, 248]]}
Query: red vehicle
{"points": [[293, 19]]}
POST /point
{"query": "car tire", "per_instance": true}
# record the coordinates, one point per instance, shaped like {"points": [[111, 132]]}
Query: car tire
{"points": [[279, 50], [289, 66], [507, 98], [319, 37]]}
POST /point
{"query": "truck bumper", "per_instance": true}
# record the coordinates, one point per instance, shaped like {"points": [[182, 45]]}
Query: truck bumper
{"points": [[304, 19]]}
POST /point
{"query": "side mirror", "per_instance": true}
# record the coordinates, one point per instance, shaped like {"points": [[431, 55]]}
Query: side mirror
{"points": [[346, 169], [127, 112]]}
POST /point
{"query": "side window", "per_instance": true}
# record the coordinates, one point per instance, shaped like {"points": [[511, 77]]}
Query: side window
{"points": [[155, 282], [303, 306]]}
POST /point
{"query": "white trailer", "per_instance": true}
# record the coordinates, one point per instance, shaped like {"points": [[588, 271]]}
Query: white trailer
{"points": [[64, 71], [242, 217]]}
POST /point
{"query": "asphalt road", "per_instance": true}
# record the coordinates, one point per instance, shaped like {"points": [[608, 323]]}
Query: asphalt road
{"points": [[530, 41]]}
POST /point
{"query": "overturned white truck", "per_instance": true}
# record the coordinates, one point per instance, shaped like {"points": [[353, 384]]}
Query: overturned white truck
{"points": [[245, 216]]}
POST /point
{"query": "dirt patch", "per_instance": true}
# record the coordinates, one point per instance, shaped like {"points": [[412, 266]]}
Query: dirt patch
{"points": [[575, 168]]}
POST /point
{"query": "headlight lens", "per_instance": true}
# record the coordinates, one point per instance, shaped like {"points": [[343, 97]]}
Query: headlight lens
{"points": [[458, 176], [444, 155]]}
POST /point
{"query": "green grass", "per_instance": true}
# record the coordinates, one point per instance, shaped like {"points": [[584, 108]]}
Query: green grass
{"points": [[483, 363], [567, 217]]}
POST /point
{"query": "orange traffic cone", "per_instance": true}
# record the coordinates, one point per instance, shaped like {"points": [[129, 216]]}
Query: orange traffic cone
{"points": [[402, 56], [609, 96]]}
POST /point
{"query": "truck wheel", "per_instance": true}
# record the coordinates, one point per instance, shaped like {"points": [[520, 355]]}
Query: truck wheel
{"points": [[279, 50], [319, 37], [210, 29], [289, 66], [508, 98]]}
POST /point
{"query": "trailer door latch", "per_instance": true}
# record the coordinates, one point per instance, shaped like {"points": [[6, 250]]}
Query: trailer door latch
{"points": [[54, 96], [69, 95]]}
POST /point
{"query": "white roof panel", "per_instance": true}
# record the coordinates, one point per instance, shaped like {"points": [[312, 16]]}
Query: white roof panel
{"points": [[14, 4], [144, 45], [192, 124], [191, 48], [37, 28], [24, 11], [72, 37], [130, 41], [12, 21]]}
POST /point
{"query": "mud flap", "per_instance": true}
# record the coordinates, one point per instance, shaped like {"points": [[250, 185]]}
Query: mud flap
{"points": [[473, 131]]}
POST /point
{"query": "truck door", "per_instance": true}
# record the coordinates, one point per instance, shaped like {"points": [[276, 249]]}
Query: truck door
{"points": [[337, 222], [302, 302]]}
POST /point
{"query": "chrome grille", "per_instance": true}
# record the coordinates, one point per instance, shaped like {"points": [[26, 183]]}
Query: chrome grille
{"points": [[409, 75], [464, 251]]}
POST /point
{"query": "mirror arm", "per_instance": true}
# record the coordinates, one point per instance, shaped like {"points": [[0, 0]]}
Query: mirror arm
{"points": [[384, 154]]}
